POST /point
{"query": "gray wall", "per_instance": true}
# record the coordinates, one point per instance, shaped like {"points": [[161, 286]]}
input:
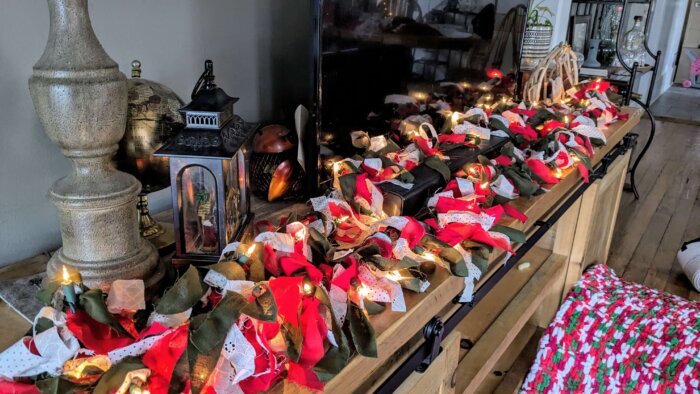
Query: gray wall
{"points": [[260, 50]]}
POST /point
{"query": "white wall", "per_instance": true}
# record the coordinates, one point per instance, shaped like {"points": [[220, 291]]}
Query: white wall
{"points": [[665, 35], [561, 11], [691, 41], [260, 53]]}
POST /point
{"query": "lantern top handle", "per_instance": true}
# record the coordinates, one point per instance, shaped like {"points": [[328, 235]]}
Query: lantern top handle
{"points": [[207, 78]]}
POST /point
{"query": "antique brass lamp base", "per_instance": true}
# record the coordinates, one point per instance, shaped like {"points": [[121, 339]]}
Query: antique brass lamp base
{"points": [[161, 235]]}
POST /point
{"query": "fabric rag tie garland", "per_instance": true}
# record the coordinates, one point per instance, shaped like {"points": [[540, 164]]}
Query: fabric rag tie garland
{"points": [[280, 307]]}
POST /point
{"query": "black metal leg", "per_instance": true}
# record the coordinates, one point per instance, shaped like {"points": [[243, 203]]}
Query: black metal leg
{"points": [[652, 132]]}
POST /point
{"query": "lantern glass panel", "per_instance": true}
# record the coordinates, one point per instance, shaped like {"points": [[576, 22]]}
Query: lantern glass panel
{"points": [[199, 210], [232, 189]]}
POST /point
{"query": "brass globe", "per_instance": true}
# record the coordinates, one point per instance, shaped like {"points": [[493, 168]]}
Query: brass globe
{"points": [[152, 119]]}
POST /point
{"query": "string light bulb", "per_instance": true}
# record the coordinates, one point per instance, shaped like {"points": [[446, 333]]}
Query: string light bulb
{"points": [[394, 275], [420, 96], [558, 173], [336, 168], [250, 250], [308, 288], [429, 256], [455, 117], [363, 291], [300, 235]]}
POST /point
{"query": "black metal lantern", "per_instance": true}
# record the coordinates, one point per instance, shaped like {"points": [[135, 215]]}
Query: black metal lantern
{"points": [[208, 174]]}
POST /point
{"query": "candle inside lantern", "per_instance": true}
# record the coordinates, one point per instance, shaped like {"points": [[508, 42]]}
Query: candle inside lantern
{"points": [[69, 290]]}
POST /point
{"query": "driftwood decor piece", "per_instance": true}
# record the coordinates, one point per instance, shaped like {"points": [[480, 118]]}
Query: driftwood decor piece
{"points": [[81, 99], [553, 75]]}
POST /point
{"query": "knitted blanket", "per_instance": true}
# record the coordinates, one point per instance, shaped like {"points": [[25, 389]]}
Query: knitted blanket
{"points": [[613, 336]]}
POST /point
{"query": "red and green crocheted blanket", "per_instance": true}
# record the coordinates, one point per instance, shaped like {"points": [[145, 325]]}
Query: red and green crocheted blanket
{"points": [[613, 336]]}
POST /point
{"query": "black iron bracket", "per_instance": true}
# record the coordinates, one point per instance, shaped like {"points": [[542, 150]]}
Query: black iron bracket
{"points": [[432, 332], [542, 223], [435, 330], [630, 141]]}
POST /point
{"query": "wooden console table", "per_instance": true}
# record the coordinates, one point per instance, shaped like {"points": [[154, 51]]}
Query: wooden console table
{"points": [[507, 319], [485, 351]]}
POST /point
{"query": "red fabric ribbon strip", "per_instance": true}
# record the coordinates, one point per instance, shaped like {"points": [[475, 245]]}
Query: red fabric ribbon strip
{"points": [[541, 170], [162, 357]]}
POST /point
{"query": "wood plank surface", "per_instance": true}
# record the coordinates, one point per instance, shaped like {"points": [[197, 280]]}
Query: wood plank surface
{"points": [[475, 366], [440, 376], [649, 231], [598, 211], [501, 369], [515, 376], [496, 301]]}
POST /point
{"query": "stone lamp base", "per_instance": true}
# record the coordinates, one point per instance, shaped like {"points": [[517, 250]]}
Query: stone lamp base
{"points": [[81, 99]]}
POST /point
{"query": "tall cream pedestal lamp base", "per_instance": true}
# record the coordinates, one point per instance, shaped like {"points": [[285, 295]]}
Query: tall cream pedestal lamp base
{"points": [[81, 99]]}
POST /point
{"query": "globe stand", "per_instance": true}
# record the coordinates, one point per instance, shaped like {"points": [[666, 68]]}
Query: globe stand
{"points": [[161, 235]]}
